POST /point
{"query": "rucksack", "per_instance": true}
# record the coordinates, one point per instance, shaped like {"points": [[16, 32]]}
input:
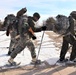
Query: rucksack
{"points": [[23, 24], [62, 24], [9, 20]]}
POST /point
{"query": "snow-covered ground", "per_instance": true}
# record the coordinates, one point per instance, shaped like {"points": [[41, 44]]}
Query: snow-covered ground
{"points": [[48, 51]]}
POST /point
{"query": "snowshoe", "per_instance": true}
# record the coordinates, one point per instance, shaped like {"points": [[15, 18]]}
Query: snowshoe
{"points": [[37, 62], [61, 63], [14, 64], [70, 63], [75, 60]]}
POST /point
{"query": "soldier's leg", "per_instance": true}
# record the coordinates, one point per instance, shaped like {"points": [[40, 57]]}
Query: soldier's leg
{"points": [[19, 46], [17, 50], [73, 53], [31, 47], [73, 43], [64, 49], [10, 47]]}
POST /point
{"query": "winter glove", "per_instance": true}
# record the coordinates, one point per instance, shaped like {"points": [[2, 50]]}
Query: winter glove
{"points": [[33, 37], [7, 33], [43, 28], [75, 36]]}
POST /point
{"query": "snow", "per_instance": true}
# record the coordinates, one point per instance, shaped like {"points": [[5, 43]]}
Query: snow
{"points": [[48, 51]]}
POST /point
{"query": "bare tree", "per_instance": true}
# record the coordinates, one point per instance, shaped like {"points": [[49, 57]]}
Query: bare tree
{"points": [[50, 23]]}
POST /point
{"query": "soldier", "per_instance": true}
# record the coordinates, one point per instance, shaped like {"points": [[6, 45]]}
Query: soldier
{"points": [[9, 22], [13, 33], [13, 30], [69, 38], [26, 32]]}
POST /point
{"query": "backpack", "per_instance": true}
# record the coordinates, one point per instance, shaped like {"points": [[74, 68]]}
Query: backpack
{"points": [[9, 20], [62, 24], [23, 25]]}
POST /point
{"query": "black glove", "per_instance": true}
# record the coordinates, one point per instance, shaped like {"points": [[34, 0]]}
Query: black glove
{"points": [[33, 37], [43, 28], [7, 33], [75, 36]]}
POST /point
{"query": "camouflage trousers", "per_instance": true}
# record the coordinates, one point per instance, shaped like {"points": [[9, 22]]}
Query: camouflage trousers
{"points": [[11, 46], [22, 43], [69, 39], [13, 41]]}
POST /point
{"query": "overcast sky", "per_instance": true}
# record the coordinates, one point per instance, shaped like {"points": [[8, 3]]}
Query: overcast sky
{"points": [[46, 8]]}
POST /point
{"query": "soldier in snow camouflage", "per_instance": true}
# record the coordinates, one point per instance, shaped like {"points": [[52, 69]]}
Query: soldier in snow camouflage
{"points": [[69, 38], [10, 29], [26, 32]]}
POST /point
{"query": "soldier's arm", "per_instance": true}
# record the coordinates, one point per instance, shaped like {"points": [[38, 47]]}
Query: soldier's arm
{"points": [[21, 12], [32, 25], [9, 30], [71, 28]]}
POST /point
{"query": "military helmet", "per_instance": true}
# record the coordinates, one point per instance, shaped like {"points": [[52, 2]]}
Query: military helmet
{"points": [[36, 15], [73, 14]]}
